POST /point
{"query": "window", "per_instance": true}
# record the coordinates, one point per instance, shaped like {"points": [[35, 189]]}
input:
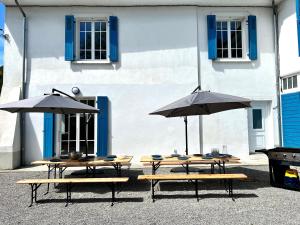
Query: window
{"points": [[257, 118], [289, 82], [230, 39], [73, 131], [92, 40]]}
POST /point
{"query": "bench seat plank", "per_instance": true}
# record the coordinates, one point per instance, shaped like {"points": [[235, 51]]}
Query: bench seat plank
{"points": [[192, 176], [74, 180]]}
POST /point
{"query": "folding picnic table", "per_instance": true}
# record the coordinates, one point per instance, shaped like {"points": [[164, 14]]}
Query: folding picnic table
{"points": [[90, 165], [169, 160]]}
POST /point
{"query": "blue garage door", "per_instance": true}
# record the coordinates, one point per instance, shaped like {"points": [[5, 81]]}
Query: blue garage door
{"points": [[291, 119]]}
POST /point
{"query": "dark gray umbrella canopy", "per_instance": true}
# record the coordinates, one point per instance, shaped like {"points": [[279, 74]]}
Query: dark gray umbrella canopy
{"points": [[52, 103], [202, 103]]}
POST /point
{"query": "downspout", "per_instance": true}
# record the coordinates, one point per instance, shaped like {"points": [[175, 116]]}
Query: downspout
{"points": [[277, 72], [23, 91], [199, 82]]}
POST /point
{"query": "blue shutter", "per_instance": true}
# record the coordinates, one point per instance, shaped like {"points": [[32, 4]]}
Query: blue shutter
{"points": [[113, 39], [49, 120], [252, 33], [291, 120], [69, 38], [102, 126], [298, 23], [212, 36]]}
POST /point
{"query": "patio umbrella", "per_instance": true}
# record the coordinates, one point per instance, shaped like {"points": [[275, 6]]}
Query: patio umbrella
{"points": [[201, 103], [51, 103]]}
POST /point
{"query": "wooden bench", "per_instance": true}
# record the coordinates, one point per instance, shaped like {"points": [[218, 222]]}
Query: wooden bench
{"points": [[36, 183], [228, 178]]}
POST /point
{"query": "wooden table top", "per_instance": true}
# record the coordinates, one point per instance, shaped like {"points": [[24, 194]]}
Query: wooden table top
{"points": [[191, 158], [90, 162]]}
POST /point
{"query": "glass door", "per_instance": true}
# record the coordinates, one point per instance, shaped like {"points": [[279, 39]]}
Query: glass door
{"points": [[73, 131]]}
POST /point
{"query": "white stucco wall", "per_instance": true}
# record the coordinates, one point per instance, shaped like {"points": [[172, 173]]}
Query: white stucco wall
{"points": [[288, 42], [158, 64]]}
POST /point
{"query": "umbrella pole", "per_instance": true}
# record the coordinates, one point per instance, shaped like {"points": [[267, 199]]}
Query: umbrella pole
{"points": [[186, 143], [86, 142], [186, 136]]}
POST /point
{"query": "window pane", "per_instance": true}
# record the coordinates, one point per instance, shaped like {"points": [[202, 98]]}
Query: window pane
{"points": [[97, 40], [82, 40], [103, 40], [82, 54], [239, 39], [219, 39], [219, 53], [238, 25], [90, 147], [239, 53], [233, 39], [88, 40], [257, 118], [225, 53], [103, 54], [72, 127], [290, 84], [224, 25], [225, 39], [295, 82], [233, 53], [97, 54], [232, 25], [72, 146], [88, 26], [219, 25], [103, 26], [82, 26], [88, 55], [91, 128], [284, 84], [97, 26], [64, 148]]}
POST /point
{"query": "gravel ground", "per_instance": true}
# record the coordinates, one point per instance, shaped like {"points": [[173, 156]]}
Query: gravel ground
{"points": [[255, 202]]}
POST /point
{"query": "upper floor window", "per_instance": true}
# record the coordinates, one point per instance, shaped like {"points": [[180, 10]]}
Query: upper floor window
{"points": [[289, 82], [92, 40], [230, 39]]}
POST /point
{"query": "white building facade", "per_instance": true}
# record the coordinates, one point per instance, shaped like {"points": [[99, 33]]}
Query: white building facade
{"points": [[131, 58]]}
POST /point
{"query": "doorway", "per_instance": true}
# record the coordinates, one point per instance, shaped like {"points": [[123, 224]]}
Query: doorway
{"points": [[257, 117], [72, 131]]}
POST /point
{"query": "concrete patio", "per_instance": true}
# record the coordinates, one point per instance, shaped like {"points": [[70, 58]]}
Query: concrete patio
{"points": [[256, 202]]}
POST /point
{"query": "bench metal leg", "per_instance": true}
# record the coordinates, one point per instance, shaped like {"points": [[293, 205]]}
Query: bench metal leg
{"points": [[196, 189], [153, 184], [69, 192], [113, 192], [230, 188], [48, 185], [34, 188]]}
